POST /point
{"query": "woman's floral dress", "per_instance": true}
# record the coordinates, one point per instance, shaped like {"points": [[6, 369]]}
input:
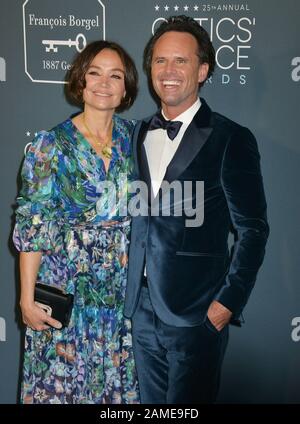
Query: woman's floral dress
{"points": [[74, 212]]}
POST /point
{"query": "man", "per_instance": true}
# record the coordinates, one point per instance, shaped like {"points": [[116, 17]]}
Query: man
{"points": [[183, 285]]}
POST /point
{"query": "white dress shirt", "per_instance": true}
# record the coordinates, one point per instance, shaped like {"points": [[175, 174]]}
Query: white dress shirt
{"points": [[160, 149]]}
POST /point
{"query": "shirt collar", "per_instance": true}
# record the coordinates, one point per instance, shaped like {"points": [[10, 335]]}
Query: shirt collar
{"points": [[186, 116]]}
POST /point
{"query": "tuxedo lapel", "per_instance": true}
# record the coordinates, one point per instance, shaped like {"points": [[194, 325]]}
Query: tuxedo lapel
{"points": [[192, 142], [138, 140], [141, 157]]}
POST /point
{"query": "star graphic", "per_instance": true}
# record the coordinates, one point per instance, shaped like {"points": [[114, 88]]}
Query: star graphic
{"points": [[167, 8], [186, 8], [28, 134], [156, 7], [196, 8], [176, 8], [35, 134]]}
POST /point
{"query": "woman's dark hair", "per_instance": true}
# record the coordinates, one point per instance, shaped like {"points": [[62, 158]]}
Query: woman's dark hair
{"points": [[182, 23], [76, 75]]}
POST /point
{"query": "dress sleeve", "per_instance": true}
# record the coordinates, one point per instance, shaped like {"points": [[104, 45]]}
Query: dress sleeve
{"points": [[36, 227]]}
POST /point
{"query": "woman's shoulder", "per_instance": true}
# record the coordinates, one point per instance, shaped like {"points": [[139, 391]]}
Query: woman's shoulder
{"points": [[123, 123], [65, 126], [45, 143], [42, 146]]}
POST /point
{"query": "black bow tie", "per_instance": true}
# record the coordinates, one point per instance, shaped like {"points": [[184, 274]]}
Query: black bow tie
{"points": [[172, 127]]}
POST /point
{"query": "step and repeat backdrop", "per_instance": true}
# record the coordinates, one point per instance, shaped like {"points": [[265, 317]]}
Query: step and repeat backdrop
{"points": [[256, 83]]}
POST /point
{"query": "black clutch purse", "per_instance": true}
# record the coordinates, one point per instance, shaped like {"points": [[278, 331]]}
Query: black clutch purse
{"points": [[56, 303]]}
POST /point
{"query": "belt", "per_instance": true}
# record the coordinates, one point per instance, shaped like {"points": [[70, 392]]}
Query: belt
{"points": [[144, 281]]}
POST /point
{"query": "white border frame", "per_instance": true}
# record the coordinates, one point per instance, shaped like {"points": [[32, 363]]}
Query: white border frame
{"points": [[25, 46]]}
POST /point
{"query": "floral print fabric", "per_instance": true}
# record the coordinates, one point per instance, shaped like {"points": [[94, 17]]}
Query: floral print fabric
{"points": [[64, 212]]}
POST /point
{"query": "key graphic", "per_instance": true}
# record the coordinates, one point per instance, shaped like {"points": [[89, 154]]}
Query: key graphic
{"points": [[79, 43]]}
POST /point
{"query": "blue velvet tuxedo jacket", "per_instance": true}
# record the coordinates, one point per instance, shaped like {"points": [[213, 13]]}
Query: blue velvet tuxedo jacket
{"points": [[188, 267]]}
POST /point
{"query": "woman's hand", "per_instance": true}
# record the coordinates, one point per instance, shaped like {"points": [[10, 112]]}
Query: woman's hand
{"points": [[36, 317], [33, 316]]}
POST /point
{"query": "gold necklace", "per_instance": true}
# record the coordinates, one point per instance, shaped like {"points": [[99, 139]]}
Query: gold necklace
{"points": [[106, 150]]}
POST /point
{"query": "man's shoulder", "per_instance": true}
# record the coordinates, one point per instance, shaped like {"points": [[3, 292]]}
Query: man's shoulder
{"points": [[219, 120], [232, 133]]}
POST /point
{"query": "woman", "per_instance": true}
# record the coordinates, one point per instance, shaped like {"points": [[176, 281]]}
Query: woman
{"points": [[72, 236]]}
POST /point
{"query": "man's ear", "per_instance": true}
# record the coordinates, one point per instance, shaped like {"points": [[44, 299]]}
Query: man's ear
{"points": [[203, 71]]}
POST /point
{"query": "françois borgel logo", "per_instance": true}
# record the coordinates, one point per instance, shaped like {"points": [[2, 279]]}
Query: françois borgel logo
{"points": [[55, 31]]}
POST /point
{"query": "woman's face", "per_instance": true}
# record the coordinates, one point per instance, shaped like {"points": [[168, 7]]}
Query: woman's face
{"points": [[105, 81]]}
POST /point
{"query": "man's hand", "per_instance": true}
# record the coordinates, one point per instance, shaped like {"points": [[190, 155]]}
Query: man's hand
{"points": [[218, 315]]}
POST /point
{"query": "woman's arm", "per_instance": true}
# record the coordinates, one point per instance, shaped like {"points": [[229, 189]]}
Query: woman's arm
{"points": [[33, 316]]}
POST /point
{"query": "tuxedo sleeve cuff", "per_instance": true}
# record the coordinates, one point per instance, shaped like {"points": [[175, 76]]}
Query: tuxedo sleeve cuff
{"points": [[233, 298]]}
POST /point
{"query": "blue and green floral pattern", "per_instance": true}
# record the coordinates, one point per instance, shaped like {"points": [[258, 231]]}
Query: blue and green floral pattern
{"points": [[64, 212]]}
